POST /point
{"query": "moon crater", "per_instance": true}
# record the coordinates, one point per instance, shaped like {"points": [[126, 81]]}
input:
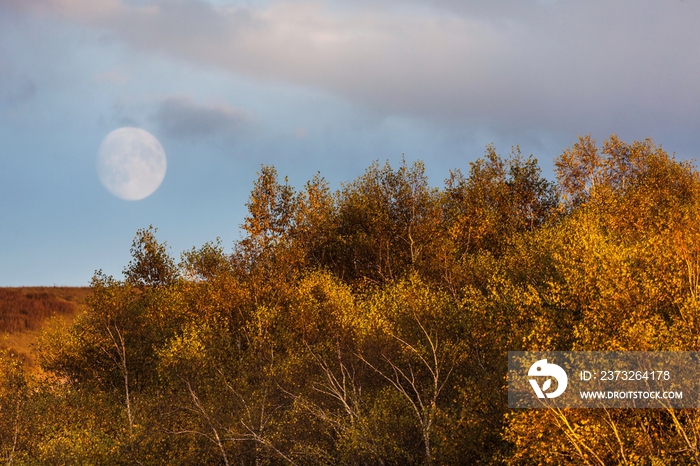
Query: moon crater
{"points": [[131, 163]]}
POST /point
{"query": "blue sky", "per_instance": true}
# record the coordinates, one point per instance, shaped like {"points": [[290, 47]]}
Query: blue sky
{"points": [[306, 86]]}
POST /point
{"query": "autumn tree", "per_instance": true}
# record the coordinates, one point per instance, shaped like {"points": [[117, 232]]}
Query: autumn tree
{"points": [[371, 325]]}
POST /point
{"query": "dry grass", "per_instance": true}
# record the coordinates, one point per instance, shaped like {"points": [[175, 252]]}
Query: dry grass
{"points": [[24, 312]]}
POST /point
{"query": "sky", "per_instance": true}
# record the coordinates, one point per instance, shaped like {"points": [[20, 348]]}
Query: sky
{"points": [[306, 86]]}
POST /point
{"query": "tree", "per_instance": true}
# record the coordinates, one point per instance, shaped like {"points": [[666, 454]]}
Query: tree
{"points": [[14, 412], [151, 265]]}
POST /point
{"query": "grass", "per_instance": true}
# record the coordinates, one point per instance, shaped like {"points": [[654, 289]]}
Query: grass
{"points": [[25, 311]]}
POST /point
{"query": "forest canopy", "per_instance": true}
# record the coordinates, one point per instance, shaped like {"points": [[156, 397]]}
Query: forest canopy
{"points": [[371, 325]]}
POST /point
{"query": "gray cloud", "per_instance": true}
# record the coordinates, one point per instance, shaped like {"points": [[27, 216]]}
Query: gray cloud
{"points": [[582, 66], [182, 117], [16, 89], [19, 91]]}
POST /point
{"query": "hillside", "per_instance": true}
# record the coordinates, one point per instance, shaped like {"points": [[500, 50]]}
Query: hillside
{"points": [[25, 310]]}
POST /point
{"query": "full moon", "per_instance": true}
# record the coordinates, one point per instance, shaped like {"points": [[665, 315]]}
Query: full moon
{"points": [[131, 163]]}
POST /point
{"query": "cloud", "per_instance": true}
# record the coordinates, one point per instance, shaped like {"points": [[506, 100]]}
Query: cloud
{"points": [[557, 65], [16, 88], [74, 9], [113, 76], [182, 117]]}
